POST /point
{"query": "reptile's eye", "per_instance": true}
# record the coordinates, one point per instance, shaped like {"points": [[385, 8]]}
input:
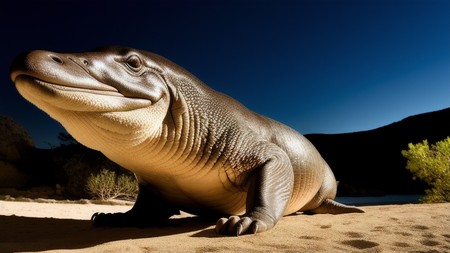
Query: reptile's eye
{"points": [[134, 62]]}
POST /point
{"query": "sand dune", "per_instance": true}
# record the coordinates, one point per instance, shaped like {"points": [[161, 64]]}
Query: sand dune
{"points": [[32, 227]]}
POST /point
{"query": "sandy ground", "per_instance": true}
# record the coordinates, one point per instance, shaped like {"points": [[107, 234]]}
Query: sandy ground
{"points": [[32, 227]]}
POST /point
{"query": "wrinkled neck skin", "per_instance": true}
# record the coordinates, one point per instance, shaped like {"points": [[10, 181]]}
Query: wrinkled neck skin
{"points": [[155, 137], [114, 133]]}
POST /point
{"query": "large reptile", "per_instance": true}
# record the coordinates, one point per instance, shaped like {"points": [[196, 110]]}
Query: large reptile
{"points": [[190, 147]]}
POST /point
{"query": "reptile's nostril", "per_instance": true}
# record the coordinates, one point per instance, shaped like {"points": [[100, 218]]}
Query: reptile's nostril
{"points": [[56, 58]]}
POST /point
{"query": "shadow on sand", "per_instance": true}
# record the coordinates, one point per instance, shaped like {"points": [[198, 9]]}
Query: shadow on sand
{"points": [[39, 234]]}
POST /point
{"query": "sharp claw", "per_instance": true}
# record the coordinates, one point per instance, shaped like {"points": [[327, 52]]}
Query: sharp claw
{"points": [[220, 225], [255, 228], [94, 216], [239, 229]]}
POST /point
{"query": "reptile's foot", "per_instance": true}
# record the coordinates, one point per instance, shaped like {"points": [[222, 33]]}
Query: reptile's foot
{"points": [[124, 220], [236, 225], [112, 220]]}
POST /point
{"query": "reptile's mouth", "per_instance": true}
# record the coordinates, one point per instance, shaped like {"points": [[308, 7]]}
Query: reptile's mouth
{"points": [[103, 90], [80, 97]]}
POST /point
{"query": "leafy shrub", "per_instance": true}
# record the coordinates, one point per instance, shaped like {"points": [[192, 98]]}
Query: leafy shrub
{"points": [[431, 165], [107, 185], [75, 164]]}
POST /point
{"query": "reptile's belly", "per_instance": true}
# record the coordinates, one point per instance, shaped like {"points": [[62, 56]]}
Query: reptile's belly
{"points": [[194, 191]]}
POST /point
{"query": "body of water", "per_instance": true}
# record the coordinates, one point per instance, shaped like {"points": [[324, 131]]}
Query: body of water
{"points": [[381, 200]]}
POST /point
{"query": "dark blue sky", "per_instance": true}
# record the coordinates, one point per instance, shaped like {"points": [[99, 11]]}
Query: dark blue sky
{"points": [[317, 66]]}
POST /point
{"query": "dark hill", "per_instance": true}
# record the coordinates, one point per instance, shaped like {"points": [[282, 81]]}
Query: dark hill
{"points": [[370, 162]]}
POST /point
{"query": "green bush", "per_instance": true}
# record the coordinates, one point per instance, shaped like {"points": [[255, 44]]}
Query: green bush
{"points": [[106, 185], [431, 164]]}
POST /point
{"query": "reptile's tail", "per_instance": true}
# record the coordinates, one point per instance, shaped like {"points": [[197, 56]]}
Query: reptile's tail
{"points": [[332, 207]]}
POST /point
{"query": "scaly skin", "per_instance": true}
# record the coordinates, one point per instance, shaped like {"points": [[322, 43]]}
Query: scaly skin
{"points": [[191, 148]]}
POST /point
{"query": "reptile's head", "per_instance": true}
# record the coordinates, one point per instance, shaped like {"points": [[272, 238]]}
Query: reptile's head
{"points": [[113, 90]]}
